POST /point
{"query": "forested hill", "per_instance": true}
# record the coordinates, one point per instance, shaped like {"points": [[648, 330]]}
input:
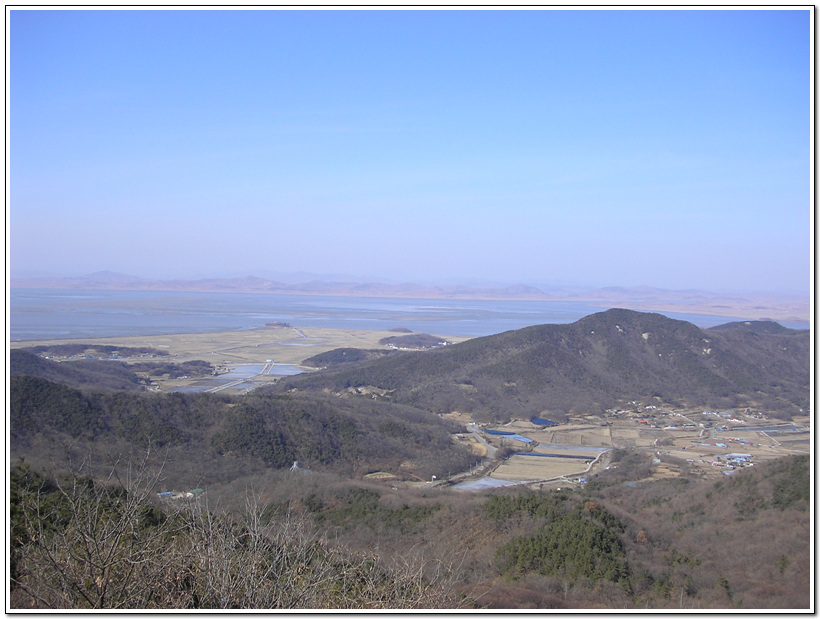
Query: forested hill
{"points": [[597, 362], [97, 374], [80, 373], [211, 438]]}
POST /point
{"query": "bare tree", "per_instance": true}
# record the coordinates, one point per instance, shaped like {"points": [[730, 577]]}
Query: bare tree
{"points": [[108, 545], [92, 544]]}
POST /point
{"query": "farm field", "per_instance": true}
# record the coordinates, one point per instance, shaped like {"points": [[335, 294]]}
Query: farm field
{"points": [[288, 346], [673, 449], [535, 468], [575, 446]]}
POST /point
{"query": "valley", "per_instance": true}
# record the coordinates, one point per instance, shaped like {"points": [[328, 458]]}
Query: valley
{"points": [[678, 442], [679, 439], [409, 309], [621, 461]]}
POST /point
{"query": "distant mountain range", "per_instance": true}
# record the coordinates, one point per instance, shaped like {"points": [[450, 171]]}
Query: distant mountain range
{"points": [[755, 306], [604, 360]]}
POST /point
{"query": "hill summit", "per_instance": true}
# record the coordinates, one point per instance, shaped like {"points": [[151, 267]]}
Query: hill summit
{"points": [[595, 363]]}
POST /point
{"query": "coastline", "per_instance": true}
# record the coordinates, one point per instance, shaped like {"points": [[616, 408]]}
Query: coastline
{"points": [[745, 306]]}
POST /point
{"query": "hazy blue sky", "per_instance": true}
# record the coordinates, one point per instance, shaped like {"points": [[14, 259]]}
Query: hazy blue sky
{"points": [[667, 148]]}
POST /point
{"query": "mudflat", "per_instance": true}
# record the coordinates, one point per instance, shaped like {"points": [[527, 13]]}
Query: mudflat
{"points": [[282, 344]]}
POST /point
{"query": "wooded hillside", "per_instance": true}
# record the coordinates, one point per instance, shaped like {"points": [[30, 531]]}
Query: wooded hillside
{"points": [[736, 543], [122, 498], [595, 363], [210, 437]]}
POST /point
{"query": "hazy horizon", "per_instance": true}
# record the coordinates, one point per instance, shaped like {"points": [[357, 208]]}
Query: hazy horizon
{"points": [[297, 278], [587, 148]]}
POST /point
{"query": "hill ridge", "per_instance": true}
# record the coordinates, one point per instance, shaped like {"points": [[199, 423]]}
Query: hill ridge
{"points": [[590, 365]]}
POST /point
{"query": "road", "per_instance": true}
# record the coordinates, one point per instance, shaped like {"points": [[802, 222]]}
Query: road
{"points": [[490, 449], [480, 469], [267, 369]]}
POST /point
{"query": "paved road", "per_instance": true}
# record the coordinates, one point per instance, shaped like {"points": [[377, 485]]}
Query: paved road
{"points": [[480, 438]]}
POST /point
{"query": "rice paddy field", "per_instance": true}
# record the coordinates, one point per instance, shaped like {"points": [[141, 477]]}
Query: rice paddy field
{"points": [[533, 468]]}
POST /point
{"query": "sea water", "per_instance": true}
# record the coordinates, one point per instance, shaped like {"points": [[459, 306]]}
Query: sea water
{"points": [[39, 314]]}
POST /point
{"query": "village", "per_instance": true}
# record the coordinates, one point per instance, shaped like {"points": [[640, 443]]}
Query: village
{"points": [[677, 442]]}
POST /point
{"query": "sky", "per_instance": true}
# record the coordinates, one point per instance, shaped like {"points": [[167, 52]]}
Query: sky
{"points": [[593, 147]]}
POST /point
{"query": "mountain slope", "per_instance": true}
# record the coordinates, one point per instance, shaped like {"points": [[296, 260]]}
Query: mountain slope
{"points": [[79, 373], [592, 364], [219, 437]]}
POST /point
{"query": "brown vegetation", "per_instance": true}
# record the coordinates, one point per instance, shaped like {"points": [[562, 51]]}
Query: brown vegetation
{"points": [[290, 540], [329, 535], [84, 544]]}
